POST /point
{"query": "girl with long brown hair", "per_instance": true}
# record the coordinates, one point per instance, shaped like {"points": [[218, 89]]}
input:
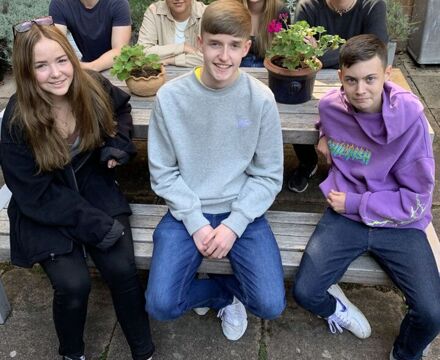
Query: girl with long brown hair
{"points": [[262, 13], [63, 132]]}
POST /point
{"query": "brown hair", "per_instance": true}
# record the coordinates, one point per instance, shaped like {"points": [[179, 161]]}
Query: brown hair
{"points": [[362, 48], [33, 113], [263, 38], [227, 17]]}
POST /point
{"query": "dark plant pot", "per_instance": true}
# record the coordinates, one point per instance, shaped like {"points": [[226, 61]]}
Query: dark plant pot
{"points": [[290, 86]]}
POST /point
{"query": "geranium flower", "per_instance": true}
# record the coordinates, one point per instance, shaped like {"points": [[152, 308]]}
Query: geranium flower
{"points": [[274, 26]]}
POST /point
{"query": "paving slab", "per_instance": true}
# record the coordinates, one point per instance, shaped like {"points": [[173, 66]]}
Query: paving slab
{"points": [[194, 337], [428, 87]]}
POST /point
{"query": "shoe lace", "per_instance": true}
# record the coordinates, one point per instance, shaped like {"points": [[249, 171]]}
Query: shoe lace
{"points": [[231, 314], [338, 320]]}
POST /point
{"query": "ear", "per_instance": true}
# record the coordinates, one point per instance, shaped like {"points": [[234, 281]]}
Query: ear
{"points": [[387, 72], [340, 75], [199, 41], [246, 47]]}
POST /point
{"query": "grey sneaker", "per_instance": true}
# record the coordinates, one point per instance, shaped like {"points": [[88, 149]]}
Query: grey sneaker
{"points": [[82, 357], [347, 316], [201, 310], [234, 320], [299, 182]]}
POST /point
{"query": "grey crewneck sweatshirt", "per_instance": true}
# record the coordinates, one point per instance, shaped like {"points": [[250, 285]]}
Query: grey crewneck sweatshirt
{"points": [[215, 151]]}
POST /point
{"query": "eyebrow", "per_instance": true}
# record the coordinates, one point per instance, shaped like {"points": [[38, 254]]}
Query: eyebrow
{"points": [[45, 61], [366, 76]]}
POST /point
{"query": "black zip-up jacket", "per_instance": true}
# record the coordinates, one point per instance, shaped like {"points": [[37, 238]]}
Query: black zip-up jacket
{"points": [[51, 210]]}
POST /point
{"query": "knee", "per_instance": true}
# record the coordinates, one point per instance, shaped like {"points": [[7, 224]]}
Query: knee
{"points": [[269, 306], [73, 292], [303, 294], [162, 307], [428, 315], [120, 274]]}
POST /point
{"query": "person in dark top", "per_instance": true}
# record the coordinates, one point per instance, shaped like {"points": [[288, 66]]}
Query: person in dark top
{"points": [[100, 28], [263, 12], [346, 18], [62, 134]]}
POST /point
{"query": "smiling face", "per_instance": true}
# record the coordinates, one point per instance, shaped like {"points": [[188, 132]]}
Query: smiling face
{"points": [[222, 56], [180, 9], [363, 84], [52, 68]]}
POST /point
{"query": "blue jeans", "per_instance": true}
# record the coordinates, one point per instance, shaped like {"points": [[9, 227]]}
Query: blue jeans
{"points": [[173, 288], [404, 254]]}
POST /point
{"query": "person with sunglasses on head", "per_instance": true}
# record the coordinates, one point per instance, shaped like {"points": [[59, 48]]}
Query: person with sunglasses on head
{"points": [[63, 133], [170, 29], [100, 28]]}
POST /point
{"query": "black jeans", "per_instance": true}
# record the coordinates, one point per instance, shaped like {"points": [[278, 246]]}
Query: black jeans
{"points": [[71, 282], [306, 155]]}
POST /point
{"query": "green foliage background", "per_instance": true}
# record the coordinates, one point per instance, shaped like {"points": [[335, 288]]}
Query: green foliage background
{"points": [[12, 12]]}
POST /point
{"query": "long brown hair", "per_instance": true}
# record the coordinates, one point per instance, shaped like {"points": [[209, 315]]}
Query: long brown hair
{"points": [[33, 113], [263, 38]]}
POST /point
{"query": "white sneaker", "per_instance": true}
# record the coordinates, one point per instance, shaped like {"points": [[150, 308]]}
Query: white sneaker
{"points": [[201, 310], [347, 315], [234, 320]]}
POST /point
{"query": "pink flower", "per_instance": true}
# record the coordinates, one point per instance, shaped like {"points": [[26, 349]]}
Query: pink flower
{"points": [[283, 17], [274, 26]]}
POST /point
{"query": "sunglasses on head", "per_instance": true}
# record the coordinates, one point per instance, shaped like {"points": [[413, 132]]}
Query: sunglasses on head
{"points": [[27, 25]]}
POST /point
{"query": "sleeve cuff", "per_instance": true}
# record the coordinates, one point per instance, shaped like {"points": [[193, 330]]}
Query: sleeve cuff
{"points": [[352, 203], [236, 222], [180, 60], [194, 222]]}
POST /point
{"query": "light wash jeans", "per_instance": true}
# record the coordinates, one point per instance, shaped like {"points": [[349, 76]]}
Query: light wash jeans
{"points": [[173, 288], [404, 254]]}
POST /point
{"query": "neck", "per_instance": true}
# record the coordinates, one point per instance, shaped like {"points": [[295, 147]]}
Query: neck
{"points": [[341, 6], [89, 4], [256, 8], [182, 16]]}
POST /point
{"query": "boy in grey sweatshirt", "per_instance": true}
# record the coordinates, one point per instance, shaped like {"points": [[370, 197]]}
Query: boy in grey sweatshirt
{"points": [[216, 157]]}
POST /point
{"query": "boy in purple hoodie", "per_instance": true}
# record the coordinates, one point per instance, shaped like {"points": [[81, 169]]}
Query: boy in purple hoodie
{"points": [[379, 191]]}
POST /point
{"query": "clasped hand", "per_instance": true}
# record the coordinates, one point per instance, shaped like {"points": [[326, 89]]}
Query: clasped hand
{"points": [[336, 200], [214, 243]]}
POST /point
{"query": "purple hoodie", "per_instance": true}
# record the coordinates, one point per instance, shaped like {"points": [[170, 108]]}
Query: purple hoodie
{"points": [[383, 162]]}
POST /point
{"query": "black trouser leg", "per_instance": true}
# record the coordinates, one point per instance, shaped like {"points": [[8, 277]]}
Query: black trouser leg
{"points": [[306, 155], [71, 283], [118, 268]]}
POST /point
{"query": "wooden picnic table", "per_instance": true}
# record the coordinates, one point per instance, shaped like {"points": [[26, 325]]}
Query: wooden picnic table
{"points": [[297, 121]]}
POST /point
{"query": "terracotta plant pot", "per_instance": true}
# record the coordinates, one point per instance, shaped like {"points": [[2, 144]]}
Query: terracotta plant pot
{"points": [[142, 86], [290, 86]]}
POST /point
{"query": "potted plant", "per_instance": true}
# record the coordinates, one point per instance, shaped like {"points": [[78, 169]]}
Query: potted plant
{"points": [[399, 27], [292, 59], [144, 74]]}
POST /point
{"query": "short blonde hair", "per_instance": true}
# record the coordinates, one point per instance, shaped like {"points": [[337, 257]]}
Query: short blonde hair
{"points": [[228, 17]]}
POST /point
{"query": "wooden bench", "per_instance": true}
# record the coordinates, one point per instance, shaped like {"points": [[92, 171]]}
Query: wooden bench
{"points": [[292, 231]]}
